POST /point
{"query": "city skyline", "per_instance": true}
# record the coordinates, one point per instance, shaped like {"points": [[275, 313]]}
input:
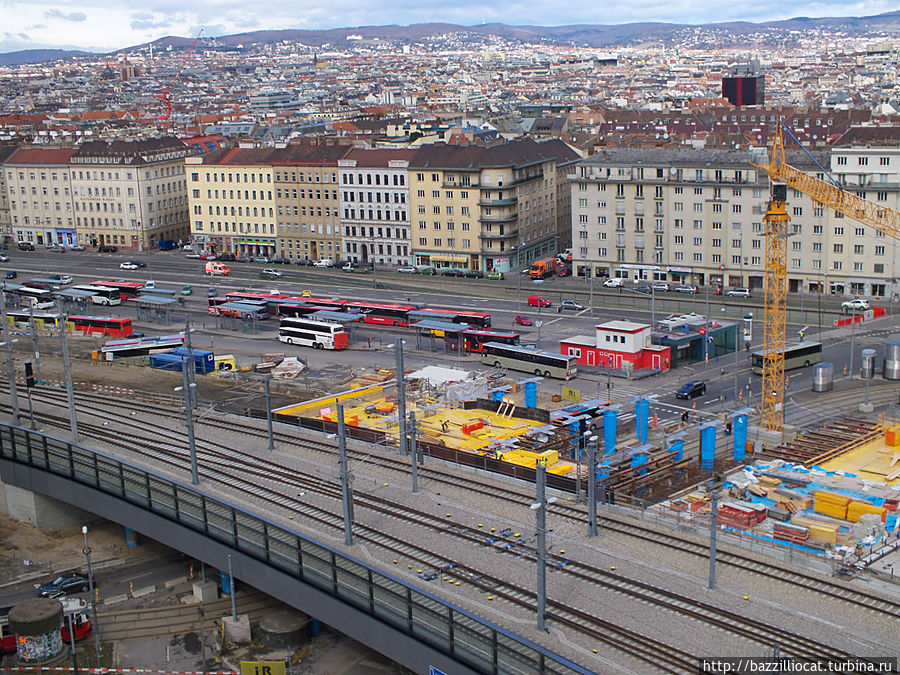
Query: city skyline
{"points": [[95, 26]]}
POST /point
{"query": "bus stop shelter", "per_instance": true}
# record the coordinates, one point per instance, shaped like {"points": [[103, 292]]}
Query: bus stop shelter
{"points": [[428, 331], [74, 301], [238, 316], [155, 309]]}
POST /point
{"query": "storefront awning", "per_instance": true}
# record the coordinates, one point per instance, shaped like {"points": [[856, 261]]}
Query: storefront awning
{"points": [[447, 257]]}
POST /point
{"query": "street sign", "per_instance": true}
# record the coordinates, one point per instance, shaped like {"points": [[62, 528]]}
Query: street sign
{"points": [[263, 668]]}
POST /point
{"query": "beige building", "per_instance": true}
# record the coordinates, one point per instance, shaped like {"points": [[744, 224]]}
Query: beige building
{"points": [[130, 194], [232, 201], [39, 193], [696, 216], [486, 207]]}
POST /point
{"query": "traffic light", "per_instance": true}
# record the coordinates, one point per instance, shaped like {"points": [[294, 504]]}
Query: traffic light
{"points": [[29, 374]]}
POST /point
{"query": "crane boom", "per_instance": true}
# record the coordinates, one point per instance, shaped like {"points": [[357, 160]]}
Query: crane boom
{"points": [[781, 174]]}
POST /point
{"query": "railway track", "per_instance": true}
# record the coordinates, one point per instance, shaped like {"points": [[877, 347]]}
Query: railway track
{"points": [[620, 524], [217, 464]]}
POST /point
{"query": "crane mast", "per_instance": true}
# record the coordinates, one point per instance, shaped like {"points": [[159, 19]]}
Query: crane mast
{"points": [[781, 175]]}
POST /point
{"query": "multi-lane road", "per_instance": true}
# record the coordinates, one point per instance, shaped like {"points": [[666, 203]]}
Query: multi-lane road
{"points": [[726, 377]]}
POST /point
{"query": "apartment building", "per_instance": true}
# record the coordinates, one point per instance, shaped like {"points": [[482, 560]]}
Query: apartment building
{"points": [[5, 221], [486, 207], [308, 201], [231, 194], [130, 194], [375, 205], [696, 216], [39, 191]]}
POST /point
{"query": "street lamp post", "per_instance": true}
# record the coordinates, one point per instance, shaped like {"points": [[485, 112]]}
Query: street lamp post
{"points": [[95, 628], [592, 486], [541, 507], [67, 370], [266, 382], [852, 335], [401, 394], [346, 491], [189, 416], [10, 365]]}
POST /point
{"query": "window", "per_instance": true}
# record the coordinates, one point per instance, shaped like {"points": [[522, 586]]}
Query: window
{"points": [[838, 248], [842, 161], [879, 250], [858, 249], [857, 267], [717, 243], [879, 268], [839, 230], [863, 161], [817, 264], [798, 210]]}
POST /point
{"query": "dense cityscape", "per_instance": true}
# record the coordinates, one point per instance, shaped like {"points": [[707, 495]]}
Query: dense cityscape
{"points": [[484, 349]]}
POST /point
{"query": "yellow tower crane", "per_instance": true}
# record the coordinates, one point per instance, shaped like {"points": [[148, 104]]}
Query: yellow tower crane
{"points": [[782, 175]]}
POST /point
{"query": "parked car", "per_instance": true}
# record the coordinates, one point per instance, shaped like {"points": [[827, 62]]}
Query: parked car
{"points": [[473, 274], [281, 261], [571, 304], [855, 305], [72, 582], [642, 288], [538, 301], [56, 248], [451, 272], [128, 266], [686, 289], [225, 257], [208, 256], [262, 259], [4, 258], [269, 273], [738, 292], [351, 266], [64, 280], [76, 247], [495, 275], [522, 320], [192, 256], [187, 290], [615, 282], [661, 287], [691, 390], [305, 262], [26, 246], [106, 248], [239, 258], [408, 269], [212, 292], [428, 270], [11, 274], [324, 262]]}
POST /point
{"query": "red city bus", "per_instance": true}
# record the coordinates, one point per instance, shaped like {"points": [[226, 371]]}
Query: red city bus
{"points": [[480, 320], [389, 314], [127, 289], [473, 340], [102, 325]]}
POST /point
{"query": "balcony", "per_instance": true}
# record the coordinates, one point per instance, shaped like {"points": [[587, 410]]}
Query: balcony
{"points": [[500, 235], [499, 217], [453, 185], [511, 201]]}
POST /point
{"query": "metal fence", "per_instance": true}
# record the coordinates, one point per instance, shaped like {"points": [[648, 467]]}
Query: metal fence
{"points": [[464, 637]]}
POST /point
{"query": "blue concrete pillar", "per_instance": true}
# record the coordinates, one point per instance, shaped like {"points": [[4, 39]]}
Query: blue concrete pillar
{"points": [[315, 627], [643, 414], [678, 448], [226, 582], [707, 446], [573, 428], [498, 395], [610, 418], [739, 431], [131, 538], [531, 394], [637, 460], [603, 472]]}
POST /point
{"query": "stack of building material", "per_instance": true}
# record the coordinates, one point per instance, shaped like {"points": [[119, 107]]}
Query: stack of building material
{"points": [[789, 500], [789, 532], [818, 531], [776, 513], [831, 504], [856, 509], [743, 516]]}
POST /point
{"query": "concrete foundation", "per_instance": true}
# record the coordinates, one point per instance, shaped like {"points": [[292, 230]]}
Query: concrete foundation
{"points": [[237, 631], [43, 512], [206, 591]]}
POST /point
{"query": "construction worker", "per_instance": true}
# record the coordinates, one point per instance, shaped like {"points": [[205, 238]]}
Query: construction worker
{"points": [[444, 425], [685, 415]]}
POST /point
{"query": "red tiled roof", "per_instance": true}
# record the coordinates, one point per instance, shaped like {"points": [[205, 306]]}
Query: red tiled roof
{"points": [[26, 156]]}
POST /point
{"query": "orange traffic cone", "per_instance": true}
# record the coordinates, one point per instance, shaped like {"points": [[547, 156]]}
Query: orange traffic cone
{"points": [[655, 420], [694, 406]]}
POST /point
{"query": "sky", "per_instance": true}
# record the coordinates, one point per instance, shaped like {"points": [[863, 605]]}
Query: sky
{"points": [[107, 25]]}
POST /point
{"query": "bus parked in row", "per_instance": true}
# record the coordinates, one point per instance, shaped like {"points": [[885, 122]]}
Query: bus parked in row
{"points": [[312, 333], [127, 289], [101, 295], [101, 325]]}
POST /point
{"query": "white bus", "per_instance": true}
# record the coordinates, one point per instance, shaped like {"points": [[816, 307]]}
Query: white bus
{"points": [[296, 330], [39, 298], [530, 360], [102, 295], [799, 355]]}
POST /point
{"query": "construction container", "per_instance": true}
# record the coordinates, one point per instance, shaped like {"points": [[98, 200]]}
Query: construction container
{"points": [[823, 377], [892, 357], [867, 372]]}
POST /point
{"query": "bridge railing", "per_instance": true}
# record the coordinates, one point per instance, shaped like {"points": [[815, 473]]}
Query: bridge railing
{"points": [[471, 640]]}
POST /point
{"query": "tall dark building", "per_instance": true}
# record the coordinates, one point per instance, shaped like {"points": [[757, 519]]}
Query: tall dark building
{"points": [[744, 85]]}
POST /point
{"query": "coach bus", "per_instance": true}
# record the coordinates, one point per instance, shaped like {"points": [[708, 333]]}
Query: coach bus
{"points": [[529, 360], [102, 325], [101, 295], [127, 289], [215, 306], [313, 333], [480, 320], [142, 346], [800, 355], [474, 340], [389, 314], [41, 319], [39, 298]]}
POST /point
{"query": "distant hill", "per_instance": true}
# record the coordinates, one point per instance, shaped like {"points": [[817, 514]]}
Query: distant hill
{"points": [[38, 56], [592, 35]]}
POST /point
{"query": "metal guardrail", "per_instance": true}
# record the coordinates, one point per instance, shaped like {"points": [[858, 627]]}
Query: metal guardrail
{"points": [[448, 629]]}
